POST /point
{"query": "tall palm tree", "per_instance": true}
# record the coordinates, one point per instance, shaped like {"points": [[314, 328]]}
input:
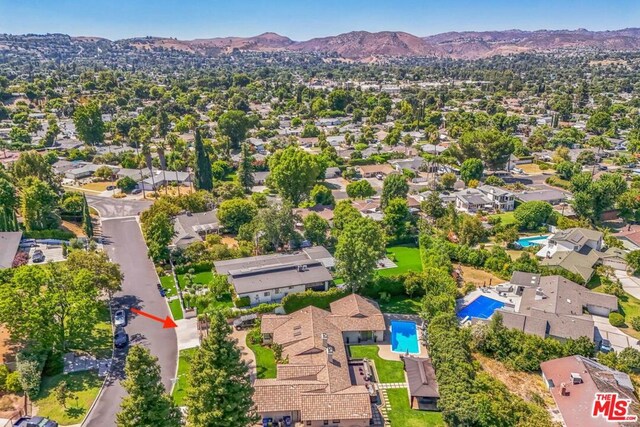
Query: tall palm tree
{"points": [[160, 149]]}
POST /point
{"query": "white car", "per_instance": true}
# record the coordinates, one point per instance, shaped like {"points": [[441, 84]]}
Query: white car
{"points": [[120, 318]]}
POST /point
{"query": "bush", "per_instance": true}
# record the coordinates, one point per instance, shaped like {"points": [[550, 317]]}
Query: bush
{"points": [[635, 323], [196, 267], [616, 319], [12, 383], [242, 302], [49, 234], [54, 365], [294, 302], [4, 373]]}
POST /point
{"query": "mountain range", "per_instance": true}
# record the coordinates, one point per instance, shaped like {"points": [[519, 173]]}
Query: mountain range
{"points": [[361, 45]]}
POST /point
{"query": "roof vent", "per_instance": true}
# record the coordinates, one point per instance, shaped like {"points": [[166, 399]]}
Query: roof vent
{"points": [[325, 339], [576, 378], [329, 355]]}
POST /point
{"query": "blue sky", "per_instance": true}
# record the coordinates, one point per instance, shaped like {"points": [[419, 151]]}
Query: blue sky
{"points": [[303, 19]]}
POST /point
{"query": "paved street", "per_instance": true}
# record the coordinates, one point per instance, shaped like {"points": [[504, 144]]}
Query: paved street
{"points": [[125, 245], [109, 207]]}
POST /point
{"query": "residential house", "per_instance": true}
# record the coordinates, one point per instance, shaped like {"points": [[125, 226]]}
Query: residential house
{"points": [[268, 278], [260, 177], [500, 198], [371, 171], [552, 306], [422, 383], [160, 179], [414, 164], [257, 144], [192, 227], [554, 197], [472, 200], [319, 385], [9, 245], [574, 381]]}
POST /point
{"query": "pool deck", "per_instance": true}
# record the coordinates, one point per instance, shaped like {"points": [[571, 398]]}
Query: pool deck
{"points": [[385, 351], [510, 300]]}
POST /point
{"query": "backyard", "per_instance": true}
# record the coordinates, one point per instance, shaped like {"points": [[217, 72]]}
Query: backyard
{"points": [[84, 387], [401, 304], [401, 413], [389, 371], [265, 360], [406, 257], [184, 362]]}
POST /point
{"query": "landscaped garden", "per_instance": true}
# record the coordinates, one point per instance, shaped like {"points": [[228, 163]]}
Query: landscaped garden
{"points": [[406, 258], [169, 286], [401, 413], [265, 359], [389, 371], [400, 304], [184, 362], [83, 387]]}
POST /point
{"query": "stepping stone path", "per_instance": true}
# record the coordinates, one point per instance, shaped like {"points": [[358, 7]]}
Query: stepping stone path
{"points": [[79, 363]]}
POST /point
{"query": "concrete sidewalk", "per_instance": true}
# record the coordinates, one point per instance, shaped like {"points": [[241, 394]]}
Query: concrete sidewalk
{"points": [[187, 333]]}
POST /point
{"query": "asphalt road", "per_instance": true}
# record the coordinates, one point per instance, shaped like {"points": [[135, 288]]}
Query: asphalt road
{"points": [[125, 245], [109, 207]]}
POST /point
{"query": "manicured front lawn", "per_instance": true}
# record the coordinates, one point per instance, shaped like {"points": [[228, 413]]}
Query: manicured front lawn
{"points": [[83, 385], [400, 304], [169, 285], [184, 362], [265, 360], [389, 371], [401, 413], [506, 218], [202, 278], [406, 257], [176, 309]]}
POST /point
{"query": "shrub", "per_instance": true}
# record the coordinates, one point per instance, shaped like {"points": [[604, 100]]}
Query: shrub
{"points": [[242, 302], [254, 336], [49, 234], [635, 323], [196, 267], [616, 319], [12, 383], [4, 373]]}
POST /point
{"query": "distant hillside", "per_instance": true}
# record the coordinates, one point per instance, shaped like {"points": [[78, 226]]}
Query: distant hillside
{"points": [[363, 45]]}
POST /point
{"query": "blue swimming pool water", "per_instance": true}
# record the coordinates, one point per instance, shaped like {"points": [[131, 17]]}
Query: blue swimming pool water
{"points": [[404, 337], [481, 308], [525, 242]]}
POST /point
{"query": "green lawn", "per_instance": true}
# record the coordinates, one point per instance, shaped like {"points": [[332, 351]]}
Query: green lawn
{"points": [[203, 278], [406, 257], [176, 309], [506, 218], [265, 360], [169, 285], [389, 371], [401, 413], [184, 362], [98, 343], [84, 386], [400, 304]]}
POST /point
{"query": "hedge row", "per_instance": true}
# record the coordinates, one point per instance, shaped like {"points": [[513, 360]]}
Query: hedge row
{"points": [[295, 302]]}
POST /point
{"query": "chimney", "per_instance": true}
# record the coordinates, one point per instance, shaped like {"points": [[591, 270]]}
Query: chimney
{"points": [[329, 355], [563, 390], [325, 338]]}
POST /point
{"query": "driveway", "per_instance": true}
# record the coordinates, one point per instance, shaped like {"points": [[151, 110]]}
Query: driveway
{"points": [[125, 245], [109, 207], [630, 284], [618, 339]]}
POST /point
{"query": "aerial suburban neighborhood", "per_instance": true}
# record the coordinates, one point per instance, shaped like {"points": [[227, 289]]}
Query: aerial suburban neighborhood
{"points": [[362, 229]]}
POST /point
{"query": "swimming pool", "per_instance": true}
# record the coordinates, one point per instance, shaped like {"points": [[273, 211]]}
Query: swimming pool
{"points": [[480, 308], [525, 242], [404, 337]]}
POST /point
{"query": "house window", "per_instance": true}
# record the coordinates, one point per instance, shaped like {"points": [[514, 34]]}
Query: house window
{"points": [[266, 294], [325, 422], [336, 421], [308, 423], [277, 291]]}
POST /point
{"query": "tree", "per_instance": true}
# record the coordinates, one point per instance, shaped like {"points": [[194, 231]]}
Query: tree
{"points": [[396, 216], [433, 206], [470, 230], [566, 170], [8, 204], [394, 186], [31, 164], [361, 189], [234, 124], [87, 225], [107, 276], [448, 180], [126, 184], [202, 169], [293, 173], [491, 145], [62, 393], [360, 247], [236, 212], [158, 233], [53, 305], [343, 214], [471, 169], [315, 229], [38, 206], [105, 173], [599, 122], [147, 403], [245, 168], [633, 259], [220, 392], [89, 125], [277, 224], [531, 215], [322, 195]]}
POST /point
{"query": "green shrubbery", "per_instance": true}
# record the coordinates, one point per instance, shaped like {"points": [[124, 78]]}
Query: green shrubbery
{"points": [[49, 234], [616, 319], [294, 302]]}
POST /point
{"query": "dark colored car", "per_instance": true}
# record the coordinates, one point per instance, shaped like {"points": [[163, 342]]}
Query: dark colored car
{"points": [[161, 290], [111, 187], [37, 256], [121, 339], [34, 422], [120, 318]]}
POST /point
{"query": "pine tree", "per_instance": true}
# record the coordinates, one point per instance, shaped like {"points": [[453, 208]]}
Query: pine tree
{"points": [[86, 218], [147, 403], [245, 168], [203, 175], [220, 392]]}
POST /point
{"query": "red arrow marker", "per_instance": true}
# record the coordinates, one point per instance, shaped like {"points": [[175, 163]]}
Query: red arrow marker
{"points": [[167, 322]]}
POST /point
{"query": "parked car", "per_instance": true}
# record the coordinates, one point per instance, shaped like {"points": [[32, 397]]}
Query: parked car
{"points": [[120, 339], [120, 318], [136, 191], [245, 321], [605, 346], [111, 187], [34, 422], [37, 256], [161, 290], [518, 170], [380, 176], [603, 168]]}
